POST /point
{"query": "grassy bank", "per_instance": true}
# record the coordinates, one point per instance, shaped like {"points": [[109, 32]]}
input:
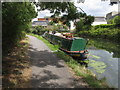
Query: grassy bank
{"points": [[79, 70], [16, 66], [103, 33]]}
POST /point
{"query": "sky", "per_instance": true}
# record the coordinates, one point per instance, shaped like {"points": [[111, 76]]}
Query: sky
{"points": [[90, 7], [97, 7]]}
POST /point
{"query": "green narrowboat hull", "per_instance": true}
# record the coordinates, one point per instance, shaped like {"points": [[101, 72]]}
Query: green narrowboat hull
{"points": [[75, 47]]}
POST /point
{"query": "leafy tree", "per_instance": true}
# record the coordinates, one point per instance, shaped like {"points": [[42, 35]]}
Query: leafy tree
{"points": [[16, 20], [84, 24], [88, 20], [117, 20], [71, 12], [79, 25], [51, 23], [54, 7]]}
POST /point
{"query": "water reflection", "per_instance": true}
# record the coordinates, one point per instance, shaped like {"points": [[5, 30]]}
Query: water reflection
{"points": [[103, 60], [111, 47]]}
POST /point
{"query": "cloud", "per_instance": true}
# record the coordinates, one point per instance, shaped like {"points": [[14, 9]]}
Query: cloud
{"points": [[44, 13], [91, 7], [97, 7]]}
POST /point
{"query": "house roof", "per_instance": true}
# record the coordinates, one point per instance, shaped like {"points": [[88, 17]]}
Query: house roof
{"points": [[44, 19], [112, 15], [40, 23], [99, 19]]}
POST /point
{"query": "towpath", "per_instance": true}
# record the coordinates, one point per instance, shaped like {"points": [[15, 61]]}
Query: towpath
{"points": [[48, 71]]}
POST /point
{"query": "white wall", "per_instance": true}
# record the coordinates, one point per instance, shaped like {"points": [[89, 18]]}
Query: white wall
{"points": [[72, 27], [98, 23]]}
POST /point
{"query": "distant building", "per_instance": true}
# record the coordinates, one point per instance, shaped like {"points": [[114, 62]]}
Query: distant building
{"points": [[114, 2], [72, 26], [39, 23], [111, 15], [44, 19], [99, 20]]}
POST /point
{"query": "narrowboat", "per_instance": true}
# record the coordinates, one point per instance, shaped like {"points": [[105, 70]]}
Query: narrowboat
{"points": [[74, 46]]}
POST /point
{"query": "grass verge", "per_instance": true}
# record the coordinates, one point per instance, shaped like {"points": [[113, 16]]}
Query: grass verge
{"points": [[79, 70], [16, 67]]}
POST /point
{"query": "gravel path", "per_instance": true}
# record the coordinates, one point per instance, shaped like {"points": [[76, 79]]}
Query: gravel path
{"points": [[48, 71]]}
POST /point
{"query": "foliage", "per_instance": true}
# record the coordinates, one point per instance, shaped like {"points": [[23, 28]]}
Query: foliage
{"points": [[58, 7], [104, 26], [105, 33], [70, 14], [117, 20], [51, 23], [54, 7], [38, 30], [84, 24], [79, 26], [68, 8], [88, 20], [110, 21], [61, 28], [16, 19]]}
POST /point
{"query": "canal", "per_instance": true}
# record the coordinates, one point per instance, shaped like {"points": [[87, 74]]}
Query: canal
{"points": [[103, 60]]}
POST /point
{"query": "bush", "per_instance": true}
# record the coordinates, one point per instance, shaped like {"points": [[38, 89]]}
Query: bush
{"points": [[117, 20], [104, 26], [79, 25], [16, 19], [38, 30], [106, 33]]}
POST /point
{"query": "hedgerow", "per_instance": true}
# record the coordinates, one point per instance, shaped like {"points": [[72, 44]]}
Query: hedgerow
{"points": [[16, 19]]}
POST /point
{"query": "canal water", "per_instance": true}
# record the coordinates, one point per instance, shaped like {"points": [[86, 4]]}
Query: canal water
{"points": [[103, 60]]}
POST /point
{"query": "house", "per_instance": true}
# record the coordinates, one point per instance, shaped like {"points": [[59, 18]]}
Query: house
{"points": [[114, 2], [39, 23], [99, 20], [45, 19], [111, 15]]}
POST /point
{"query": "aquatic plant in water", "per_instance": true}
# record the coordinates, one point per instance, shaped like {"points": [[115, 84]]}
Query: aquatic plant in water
{"points": [[94, 56], [97, 66]]}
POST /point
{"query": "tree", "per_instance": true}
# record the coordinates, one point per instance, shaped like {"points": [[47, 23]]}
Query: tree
{"points": [[71, 12], [54, 7], [79, 25], [16, 19], [88, 21], [84, 23], [116, 20]]}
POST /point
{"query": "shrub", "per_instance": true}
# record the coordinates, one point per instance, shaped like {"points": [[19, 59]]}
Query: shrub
{"points": [[106, 33], [104, 26], [117, 20], [16, 19], [38, 30], [79, 26]]}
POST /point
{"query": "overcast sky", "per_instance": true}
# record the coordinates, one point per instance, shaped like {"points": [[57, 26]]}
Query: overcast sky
{"points": [[97, 7], [91, 7]]}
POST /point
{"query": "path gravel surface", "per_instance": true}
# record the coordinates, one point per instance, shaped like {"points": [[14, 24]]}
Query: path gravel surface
{"points": [[48, 71]]}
